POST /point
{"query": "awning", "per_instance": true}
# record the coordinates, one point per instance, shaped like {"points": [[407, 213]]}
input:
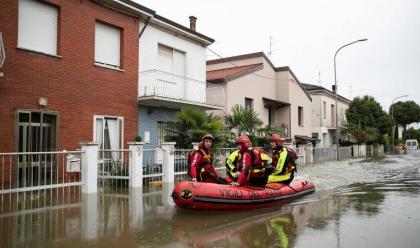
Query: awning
{"points": [[306, 138], [276, 103]]}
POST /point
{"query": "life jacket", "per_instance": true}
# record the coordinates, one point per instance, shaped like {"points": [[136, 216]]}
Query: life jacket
{"points": [[291, 159], [259, 157], [259, 160], [206, 159]]}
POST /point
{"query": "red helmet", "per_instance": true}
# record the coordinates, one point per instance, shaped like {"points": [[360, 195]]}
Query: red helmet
{"points": [[207, 136], [276, 138], [244, 140]]}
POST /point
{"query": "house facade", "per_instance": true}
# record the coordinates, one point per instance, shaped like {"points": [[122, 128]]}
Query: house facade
{"points": [[70, 74], [323, 113], [274, 93], [172, 74]]}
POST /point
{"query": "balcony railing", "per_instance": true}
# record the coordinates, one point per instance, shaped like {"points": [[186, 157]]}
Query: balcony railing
{"points": [[174, 87]]}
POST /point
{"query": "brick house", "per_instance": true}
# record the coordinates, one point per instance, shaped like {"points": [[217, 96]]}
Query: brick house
{"points": [[70, 73]]}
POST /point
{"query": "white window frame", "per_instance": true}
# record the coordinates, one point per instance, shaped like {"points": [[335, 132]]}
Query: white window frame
{"points": [[119, 118]]}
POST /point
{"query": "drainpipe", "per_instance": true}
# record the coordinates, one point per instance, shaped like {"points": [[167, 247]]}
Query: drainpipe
{"points": [[145, 25]]}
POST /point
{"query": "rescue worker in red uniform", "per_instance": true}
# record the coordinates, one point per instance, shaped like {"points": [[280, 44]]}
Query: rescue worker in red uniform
{"points": [[201, 164], [252, 170], [283, 161]]}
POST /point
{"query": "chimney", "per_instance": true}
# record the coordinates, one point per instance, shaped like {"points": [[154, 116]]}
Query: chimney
{"points": [[193, 19]]}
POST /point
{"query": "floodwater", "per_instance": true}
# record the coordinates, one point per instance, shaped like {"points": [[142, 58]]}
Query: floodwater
{"points": [[357, 203]]}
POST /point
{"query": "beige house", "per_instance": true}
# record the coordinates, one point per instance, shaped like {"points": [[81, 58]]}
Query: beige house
{"points": [[275, 93], [323, 113]]}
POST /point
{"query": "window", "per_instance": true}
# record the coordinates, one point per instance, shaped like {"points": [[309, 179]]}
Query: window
{"points": [[249, 103], [37, 26], [171, 60], [37, 131], [162, 127], [324, 109], [269, 114], [108, 132], [332, 115], [300, 116], [107, 45]]}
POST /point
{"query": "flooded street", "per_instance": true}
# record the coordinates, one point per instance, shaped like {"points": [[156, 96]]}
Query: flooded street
{"points": [[357, 203]]}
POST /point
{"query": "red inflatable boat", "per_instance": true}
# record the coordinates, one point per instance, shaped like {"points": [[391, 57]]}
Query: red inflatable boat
{"points": [[210, 196]]}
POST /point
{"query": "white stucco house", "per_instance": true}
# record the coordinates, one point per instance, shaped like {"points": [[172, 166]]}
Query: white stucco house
{"points": [[172, 74], [274, 93], [323, 113]]}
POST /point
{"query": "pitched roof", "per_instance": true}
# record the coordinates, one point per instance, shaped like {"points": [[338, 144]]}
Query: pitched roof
{"points": [[227, 74], [312, 88], [256, 55], [151, 13]]}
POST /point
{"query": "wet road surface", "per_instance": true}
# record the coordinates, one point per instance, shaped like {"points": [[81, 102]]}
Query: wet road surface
{"points": [[358, 203]]}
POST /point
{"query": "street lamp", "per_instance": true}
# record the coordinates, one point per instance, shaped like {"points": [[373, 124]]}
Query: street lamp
{"points": [[335, 91], [392, 116]]}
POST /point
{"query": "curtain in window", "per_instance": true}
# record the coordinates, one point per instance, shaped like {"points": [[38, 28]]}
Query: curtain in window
{"points": [[114, 136]]}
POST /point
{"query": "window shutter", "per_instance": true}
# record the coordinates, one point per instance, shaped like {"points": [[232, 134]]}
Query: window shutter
{"points": [[107, 44], [37, 28], [165, 59], [179, 63]]}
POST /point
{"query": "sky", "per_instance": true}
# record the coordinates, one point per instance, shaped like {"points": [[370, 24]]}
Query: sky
{"points": [[307, 33]]}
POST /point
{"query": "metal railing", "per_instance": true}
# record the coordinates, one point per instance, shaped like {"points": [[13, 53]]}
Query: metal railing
{"points": [[181, 162], [152, 167], [163, 84], [27, 171], [113, 167]]}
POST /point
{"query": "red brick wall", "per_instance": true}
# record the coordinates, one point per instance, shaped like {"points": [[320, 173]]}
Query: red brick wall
{"points": [[74, 86]]}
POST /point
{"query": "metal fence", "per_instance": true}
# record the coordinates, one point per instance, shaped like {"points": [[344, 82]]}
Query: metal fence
{"points": [[152, 167], [113, 168], [163, 84], [181, 164], [24, 171]]}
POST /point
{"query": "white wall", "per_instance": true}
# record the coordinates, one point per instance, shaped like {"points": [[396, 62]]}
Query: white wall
{"points": [[319, 124], [195, 62]]}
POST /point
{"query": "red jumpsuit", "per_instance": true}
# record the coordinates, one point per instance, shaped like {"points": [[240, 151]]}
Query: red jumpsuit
{"points": [[246, 168], [201, 166]]}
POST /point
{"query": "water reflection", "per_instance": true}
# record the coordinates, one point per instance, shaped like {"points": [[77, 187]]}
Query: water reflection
{"points": [[135, 218]]}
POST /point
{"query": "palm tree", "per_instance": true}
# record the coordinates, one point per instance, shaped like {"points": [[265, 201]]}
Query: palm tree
{"points": [[243, 120], [192, 124]]}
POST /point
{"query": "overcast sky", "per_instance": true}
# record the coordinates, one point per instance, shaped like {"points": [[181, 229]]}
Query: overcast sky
{"points": [[306, 34]]}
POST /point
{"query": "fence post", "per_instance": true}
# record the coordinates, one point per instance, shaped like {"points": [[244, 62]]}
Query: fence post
{"points": [[168, 166], [89, 167], [135, 164]]}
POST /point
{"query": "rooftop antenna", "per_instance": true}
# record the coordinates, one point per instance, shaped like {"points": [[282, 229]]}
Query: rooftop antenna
{"points": [[271, 44], [319, 78]]}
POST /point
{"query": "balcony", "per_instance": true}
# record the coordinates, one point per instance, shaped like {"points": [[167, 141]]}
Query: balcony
{"points": [[161, 89]]}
